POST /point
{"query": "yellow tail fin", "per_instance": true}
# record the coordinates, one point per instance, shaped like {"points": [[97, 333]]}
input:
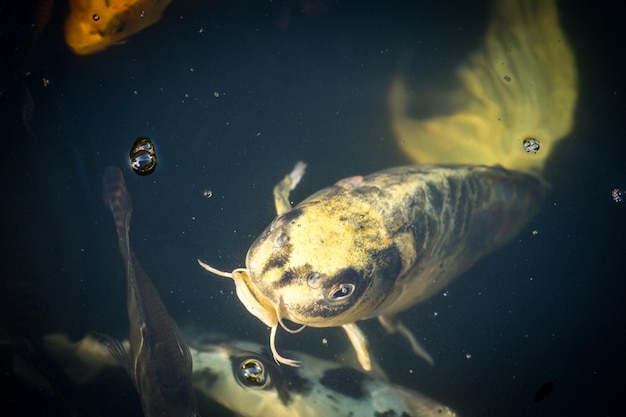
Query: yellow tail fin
{"points": [[522, 83]]}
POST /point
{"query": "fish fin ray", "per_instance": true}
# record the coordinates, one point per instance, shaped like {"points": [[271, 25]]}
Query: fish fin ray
{"points": [[117, 349], [360, 344], [392, 325], [285, 186]]}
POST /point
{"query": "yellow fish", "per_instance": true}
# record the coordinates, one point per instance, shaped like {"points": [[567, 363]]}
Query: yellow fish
{"points": [[373, 246], [521, 84], [94, 25]]}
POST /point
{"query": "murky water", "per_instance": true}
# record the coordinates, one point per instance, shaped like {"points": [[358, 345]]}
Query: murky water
{"points": [[233, 94]]}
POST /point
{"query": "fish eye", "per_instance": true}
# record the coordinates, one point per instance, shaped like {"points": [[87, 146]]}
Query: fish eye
{"points": [[252, 373], [341, 291], [343, 287]]}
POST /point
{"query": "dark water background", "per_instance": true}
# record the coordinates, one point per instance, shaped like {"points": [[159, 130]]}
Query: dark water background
{"points": [[233, 94]]}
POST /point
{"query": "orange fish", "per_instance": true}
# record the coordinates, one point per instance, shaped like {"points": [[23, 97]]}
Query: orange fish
{"points": [[94, 25]]}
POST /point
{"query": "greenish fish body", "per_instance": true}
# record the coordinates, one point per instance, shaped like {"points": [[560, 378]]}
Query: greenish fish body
{"points": [[373, 246], [158, 360]]}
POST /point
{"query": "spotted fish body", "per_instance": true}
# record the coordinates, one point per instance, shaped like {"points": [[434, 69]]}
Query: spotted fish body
{"points": [[243, 377], [373, 246]]}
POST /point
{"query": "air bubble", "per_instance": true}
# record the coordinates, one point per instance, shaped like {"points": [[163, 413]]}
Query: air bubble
{"points": [[531, 145], [142, 156]]}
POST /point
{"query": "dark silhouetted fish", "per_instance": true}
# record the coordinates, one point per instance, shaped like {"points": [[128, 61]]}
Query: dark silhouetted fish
{"points": [[158, 359]]}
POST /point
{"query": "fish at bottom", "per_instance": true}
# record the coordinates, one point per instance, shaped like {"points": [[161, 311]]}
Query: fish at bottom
{"points": [[242, 377]]}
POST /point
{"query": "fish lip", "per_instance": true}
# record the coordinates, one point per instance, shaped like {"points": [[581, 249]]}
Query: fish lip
{"points": [[255, 302]]}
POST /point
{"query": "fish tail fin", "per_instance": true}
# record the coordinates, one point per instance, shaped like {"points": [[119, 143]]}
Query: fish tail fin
{"points": [[117, 199], [521, 84]]}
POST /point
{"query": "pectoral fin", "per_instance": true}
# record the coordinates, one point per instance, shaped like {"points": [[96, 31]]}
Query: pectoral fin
{"points": [[285, 186], [392, 324], [359, 342], [119, 351]]}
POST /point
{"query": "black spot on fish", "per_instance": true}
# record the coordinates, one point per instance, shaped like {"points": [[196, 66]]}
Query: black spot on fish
{"points": [[206, 378], [391, 413], [289, 216], [345, 381], [278, 259], [293, 274], [332, 398], [369, 192], [287, 381], [389, 264], [543, 391], [435, 197]]}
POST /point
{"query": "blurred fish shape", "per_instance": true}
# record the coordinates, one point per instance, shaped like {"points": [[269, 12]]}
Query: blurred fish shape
{"points": [[376, 245], [94, 25], [242, 377], [157, 358], [521, 84]]}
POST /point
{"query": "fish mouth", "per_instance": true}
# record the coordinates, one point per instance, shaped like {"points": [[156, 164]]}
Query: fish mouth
{"points": [[261, 307], [256, 303], [265, 310]]}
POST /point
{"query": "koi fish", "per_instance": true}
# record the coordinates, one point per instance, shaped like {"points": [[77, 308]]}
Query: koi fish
{"points": [[521, 84], [373, 246], [242, 377], [157, 359], [94, 25]]}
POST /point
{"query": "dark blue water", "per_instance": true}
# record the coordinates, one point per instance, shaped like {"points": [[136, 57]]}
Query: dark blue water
{"points": [[233, 94]]}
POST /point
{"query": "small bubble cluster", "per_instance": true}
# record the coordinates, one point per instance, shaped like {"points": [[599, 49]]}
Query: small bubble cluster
{"points": [[617, 195]]}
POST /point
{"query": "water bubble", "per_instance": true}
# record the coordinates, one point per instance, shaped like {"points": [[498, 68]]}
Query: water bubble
{"points": [[531, 145], [507, 78], [95, 17], [143, 157], [207, 193], [617, 195]]}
